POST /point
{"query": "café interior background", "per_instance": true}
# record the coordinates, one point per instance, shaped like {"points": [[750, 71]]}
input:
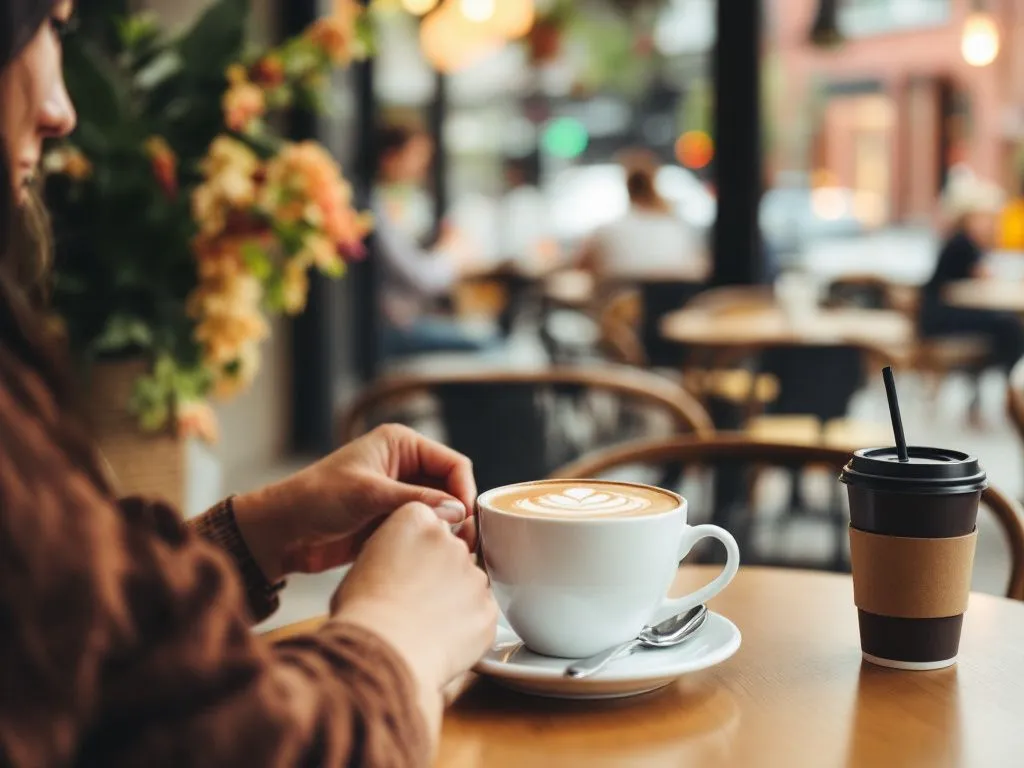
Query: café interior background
{"points": [[856, 140]]}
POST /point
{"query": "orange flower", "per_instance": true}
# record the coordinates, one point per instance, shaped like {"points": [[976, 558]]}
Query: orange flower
{"points": [[243, 101], [268, 72], [68, 161], [305, 178], [294, 288], [164, 163], [197, 419], [230, 169], [335, 36]]}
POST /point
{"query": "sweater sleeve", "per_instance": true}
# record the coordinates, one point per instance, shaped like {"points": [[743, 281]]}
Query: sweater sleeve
{"points": [[219, 527], [126, 639]]}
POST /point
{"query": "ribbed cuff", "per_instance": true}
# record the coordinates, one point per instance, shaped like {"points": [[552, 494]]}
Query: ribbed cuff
{"points": [[219, 527]]}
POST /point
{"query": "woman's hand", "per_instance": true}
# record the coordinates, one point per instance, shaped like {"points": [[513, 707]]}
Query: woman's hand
{"points": [[320, 517], [416, 587]]}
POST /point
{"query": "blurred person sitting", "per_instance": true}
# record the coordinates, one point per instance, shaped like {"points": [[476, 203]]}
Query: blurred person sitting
{"points": [[524, 221], [413, 277], [126, 636], [971, 205], [648, 241]]}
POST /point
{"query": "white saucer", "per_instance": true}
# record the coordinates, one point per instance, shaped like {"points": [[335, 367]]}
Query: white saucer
{"points": [[516, 667]]}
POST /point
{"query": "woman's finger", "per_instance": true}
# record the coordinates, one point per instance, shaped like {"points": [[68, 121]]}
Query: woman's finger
{"points": [[420, 456]]}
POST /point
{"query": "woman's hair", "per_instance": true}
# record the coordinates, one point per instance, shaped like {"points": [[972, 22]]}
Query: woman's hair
{"points": [[641, 187], [394, 137], [24, 264]]}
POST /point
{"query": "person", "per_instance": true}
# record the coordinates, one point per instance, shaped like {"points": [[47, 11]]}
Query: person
{"points": [[126, 635], [971, 206], [413, 277], [648, 240]]}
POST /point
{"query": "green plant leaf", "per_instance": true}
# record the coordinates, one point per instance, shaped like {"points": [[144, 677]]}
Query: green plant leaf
{"points": [[216, 39], [257, 260], [95, 86], [124, 332]]}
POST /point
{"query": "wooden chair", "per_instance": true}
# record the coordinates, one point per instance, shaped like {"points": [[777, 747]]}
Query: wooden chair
{"points": [[517, 425], [1015, 398], [726, 449]]}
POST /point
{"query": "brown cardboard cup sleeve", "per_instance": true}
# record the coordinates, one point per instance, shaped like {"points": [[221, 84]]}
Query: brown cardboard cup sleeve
{"points": [[910, 578]]}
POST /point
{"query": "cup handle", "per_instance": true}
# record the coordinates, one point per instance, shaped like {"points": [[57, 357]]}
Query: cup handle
{"points": [[691, 535]]}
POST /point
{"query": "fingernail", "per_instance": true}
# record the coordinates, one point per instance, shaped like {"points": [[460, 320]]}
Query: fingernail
{"points": [[451, 511]]}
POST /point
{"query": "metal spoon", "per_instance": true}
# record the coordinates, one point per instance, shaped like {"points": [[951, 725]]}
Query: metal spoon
{"points": [[668, 633]]}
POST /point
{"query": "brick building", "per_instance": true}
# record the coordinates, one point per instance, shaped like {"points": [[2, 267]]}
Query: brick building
{"points": [[890, 109]]}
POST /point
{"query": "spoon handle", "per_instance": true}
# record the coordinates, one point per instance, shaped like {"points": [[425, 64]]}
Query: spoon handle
{"points": [[594, 664]]}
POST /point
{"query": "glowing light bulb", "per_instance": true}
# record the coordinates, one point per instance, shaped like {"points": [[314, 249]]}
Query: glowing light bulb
{"points": [[419, 7], [478, 10], [980, 42]]}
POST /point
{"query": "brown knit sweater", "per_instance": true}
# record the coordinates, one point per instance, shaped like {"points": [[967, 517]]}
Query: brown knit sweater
{"points": [[125, 640]]}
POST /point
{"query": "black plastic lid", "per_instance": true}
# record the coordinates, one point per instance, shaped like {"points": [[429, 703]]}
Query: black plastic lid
{"points": [[929, 471]]}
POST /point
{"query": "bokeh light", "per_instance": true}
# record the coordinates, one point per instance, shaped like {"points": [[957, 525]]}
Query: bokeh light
{"points": [[565, 137], [419, 7], [980, 42], [478, 11], [695, 149], [451, 42]]}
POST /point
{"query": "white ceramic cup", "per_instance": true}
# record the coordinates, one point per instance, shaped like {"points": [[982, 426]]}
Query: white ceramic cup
{"points": [[574, 587]]}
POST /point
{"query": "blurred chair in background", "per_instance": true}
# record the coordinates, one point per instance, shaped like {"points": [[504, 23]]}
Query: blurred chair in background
{"points": [[971, 206], [935, 358], [1015, 399], [749, 459], [518, 425]]}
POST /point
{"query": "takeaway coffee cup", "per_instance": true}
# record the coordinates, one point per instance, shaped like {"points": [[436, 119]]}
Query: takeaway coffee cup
{"points": [[912, 541]]}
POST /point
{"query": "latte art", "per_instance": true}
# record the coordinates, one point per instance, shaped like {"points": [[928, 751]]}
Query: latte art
{"points": [[580, 499], [583, 502]]}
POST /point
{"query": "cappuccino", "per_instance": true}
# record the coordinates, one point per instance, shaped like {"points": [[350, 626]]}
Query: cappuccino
{"points": [[582, 499]]}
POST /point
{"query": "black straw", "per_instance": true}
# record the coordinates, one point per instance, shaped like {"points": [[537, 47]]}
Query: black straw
{"points": [[894, 414]]}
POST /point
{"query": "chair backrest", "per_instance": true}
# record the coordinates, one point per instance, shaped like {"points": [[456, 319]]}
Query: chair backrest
{"points": [[516, 425], [733, 298], [866, 291], [619, 322], [1015, 398], [737, 449]]}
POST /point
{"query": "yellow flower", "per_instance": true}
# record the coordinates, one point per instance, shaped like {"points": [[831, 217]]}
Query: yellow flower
{"points": [[229, 171], [68, 161], [243, 102], [236, 74], [319, 252], [294, 288], [196, 418], [239, 374]]}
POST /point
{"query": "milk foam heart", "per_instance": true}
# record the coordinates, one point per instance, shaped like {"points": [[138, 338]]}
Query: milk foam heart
{"points": [[585, 502], [582, 499]]}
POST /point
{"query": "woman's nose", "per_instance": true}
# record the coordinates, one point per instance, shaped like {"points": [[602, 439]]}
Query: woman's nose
{"points": [[58, 117]]}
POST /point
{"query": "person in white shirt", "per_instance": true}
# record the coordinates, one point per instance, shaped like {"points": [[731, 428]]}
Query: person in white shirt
{"points": [[648, 241], [413, 278]]}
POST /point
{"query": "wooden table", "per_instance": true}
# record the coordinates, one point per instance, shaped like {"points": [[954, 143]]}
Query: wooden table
{"points": [[572, 288], [795, 695], [757, 327], [997, 295]]}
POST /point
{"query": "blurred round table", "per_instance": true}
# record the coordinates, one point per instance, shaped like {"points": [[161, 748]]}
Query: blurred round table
{"points": [[996, 295], [796, 694], [573, 288], [884, 332]]}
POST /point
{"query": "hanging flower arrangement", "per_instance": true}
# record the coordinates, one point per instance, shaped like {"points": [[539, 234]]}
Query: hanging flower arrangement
{"points": [[183, 221]]}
